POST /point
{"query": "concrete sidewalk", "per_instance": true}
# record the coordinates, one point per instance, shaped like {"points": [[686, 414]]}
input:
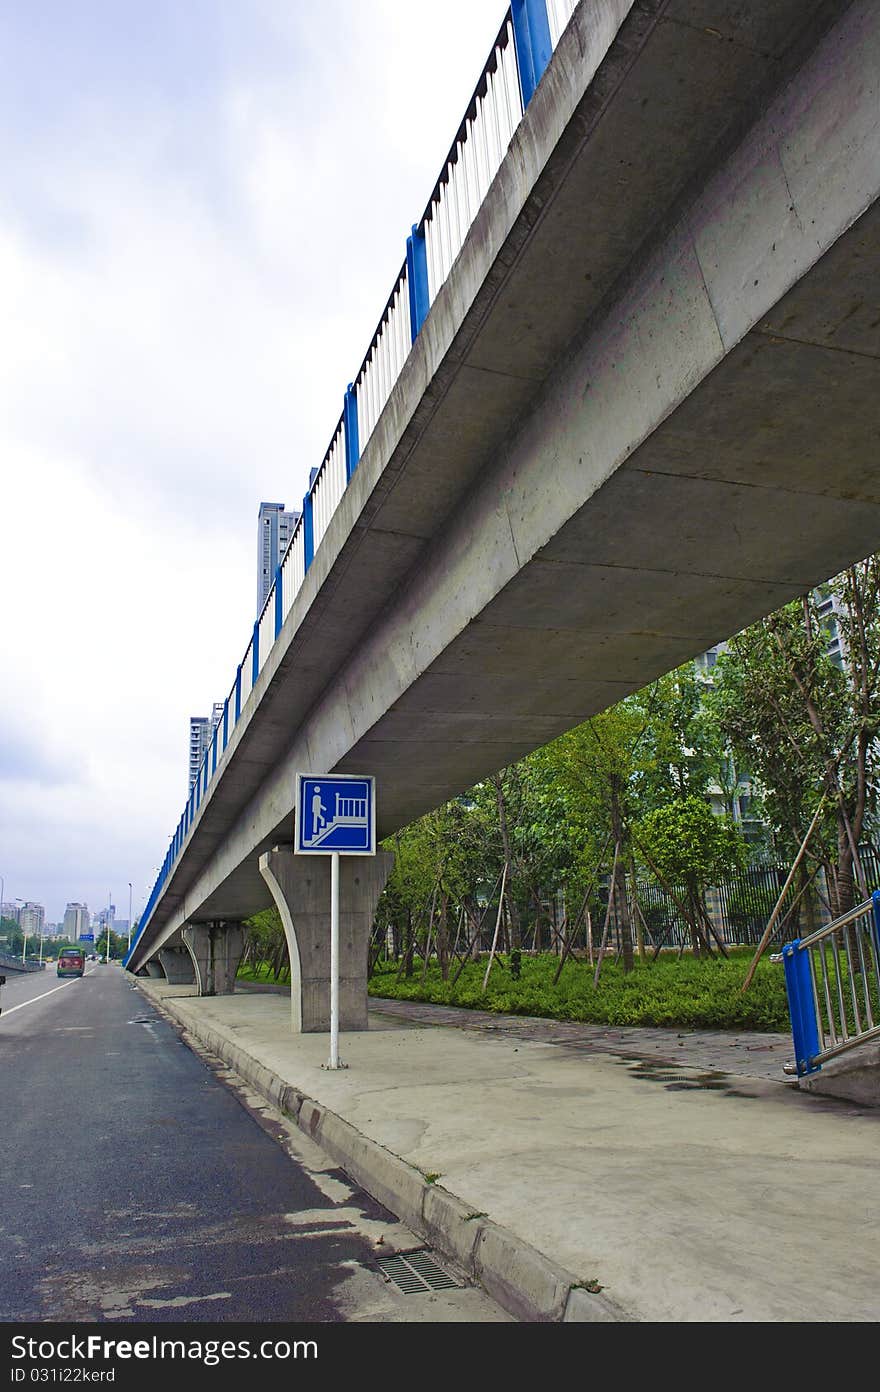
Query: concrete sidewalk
{"points": [[580, 1173]]}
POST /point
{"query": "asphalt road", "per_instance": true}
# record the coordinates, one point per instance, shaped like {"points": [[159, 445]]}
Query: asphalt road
{"points": [[142, 1183]]}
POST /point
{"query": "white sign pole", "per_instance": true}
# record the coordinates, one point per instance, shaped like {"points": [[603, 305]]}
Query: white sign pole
{"points": [[334, 960]]}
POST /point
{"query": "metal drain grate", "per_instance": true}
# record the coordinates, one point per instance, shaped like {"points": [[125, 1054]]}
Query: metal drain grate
{"points": [[415, 1272]]}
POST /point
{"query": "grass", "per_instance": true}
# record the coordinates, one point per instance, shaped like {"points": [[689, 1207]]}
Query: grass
{"points": [[262, 972], [669, 993]]}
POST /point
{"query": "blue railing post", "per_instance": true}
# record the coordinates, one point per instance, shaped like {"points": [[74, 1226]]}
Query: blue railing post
{"points": [[875, 925], [308, 531], [255, 653], [801, 1008], [417, 280], [225, 722], [279, 601], [350, 429], [531, 39], [214, 752], [237, 692]]}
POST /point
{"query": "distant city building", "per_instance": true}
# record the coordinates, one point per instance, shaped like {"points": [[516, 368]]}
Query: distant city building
{"points": [[9, 909], [275, 528], [105, 917], [76, 922], [829, 606], [201, 731], [31, 918]]}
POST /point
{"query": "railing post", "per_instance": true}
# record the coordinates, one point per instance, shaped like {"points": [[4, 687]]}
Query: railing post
{"points": [[531, 40], [875, 926], [225, 722], [279, 601], [417, 279], [308, 531], [801, 1008], [350, 428], [255, 653], [237, 692]]}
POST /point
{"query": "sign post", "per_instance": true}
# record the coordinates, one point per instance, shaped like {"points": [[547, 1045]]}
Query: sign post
{"points": [[335, 815]]}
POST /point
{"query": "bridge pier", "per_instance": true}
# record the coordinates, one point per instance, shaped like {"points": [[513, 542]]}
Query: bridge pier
{"points": [[300, 886], [215, 949], [177, 965]]}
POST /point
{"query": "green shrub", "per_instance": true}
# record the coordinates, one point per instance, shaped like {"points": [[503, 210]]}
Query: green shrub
{"points": [[671, 993]]}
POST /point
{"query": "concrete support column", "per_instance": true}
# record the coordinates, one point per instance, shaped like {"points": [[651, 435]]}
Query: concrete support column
{"points": [[300, 886], [153, 968], [177, 965], [215, 949]]}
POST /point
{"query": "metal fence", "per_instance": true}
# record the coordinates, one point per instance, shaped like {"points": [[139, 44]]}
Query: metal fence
{"points": [[740, 907]]}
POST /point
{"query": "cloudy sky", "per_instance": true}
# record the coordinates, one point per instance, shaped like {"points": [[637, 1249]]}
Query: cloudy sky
{"points": [[204, 206]]}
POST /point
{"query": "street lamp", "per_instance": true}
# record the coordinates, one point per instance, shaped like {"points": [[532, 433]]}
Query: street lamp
{"points": [[24, 935]]}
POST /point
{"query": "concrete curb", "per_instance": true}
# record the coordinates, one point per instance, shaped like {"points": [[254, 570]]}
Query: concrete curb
{"points": [[520, 1278]]}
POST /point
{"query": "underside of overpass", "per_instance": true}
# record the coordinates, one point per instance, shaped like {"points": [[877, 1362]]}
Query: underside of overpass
{"points": [[642, 412]]}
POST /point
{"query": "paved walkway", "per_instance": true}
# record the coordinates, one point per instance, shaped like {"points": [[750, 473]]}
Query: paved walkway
{"points": [[581, 1173], [750, 1055]]}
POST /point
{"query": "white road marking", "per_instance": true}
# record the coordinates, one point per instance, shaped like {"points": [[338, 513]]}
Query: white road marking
{"points": [[8, 1010]]}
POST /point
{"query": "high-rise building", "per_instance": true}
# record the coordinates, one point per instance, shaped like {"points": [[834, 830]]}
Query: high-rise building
{"points": [[275, 528], [201, 731], [76, 922]]}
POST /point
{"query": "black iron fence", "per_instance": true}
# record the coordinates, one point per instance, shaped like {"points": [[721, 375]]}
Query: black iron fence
{"points": [[740, 907]]}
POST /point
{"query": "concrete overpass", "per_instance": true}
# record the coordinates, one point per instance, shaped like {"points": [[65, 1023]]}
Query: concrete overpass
{"points": [[641, 411]]}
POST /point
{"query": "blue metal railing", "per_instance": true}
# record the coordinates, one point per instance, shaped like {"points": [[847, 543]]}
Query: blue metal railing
{"points": [[832, 979], [521, 51]]}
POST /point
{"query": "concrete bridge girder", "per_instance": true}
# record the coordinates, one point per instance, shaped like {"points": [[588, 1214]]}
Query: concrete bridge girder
{"points": [[178, 965], [300, 888], [215, 951]]}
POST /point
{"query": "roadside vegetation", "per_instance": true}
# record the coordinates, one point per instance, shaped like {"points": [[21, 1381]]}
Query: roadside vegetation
{"points": [[632, 871], [669, 993]]}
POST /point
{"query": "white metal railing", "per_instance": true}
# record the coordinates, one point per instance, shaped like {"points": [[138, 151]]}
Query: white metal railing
{"points": [[266, 630], [492, 116], [559, 12], [329, 485], [292, 570], [247, 671], [385, 358]]}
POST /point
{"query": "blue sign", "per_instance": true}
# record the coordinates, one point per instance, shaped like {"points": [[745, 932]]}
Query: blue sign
{"points": [[87, 937], [336, 813]]}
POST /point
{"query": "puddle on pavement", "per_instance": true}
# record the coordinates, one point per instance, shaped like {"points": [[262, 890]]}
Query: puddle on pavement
{"points": [[676, 1081]]}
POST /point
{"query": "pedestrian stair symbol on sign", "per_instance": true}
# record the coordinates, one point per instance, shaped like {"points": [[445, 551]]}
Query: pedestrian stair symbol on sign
{"points": [[350, 810]]}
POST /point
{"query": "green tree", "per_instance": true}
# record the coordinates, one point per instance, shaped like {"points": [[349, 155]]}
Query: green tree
{"points": [[685, 844], [807, 725]]}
